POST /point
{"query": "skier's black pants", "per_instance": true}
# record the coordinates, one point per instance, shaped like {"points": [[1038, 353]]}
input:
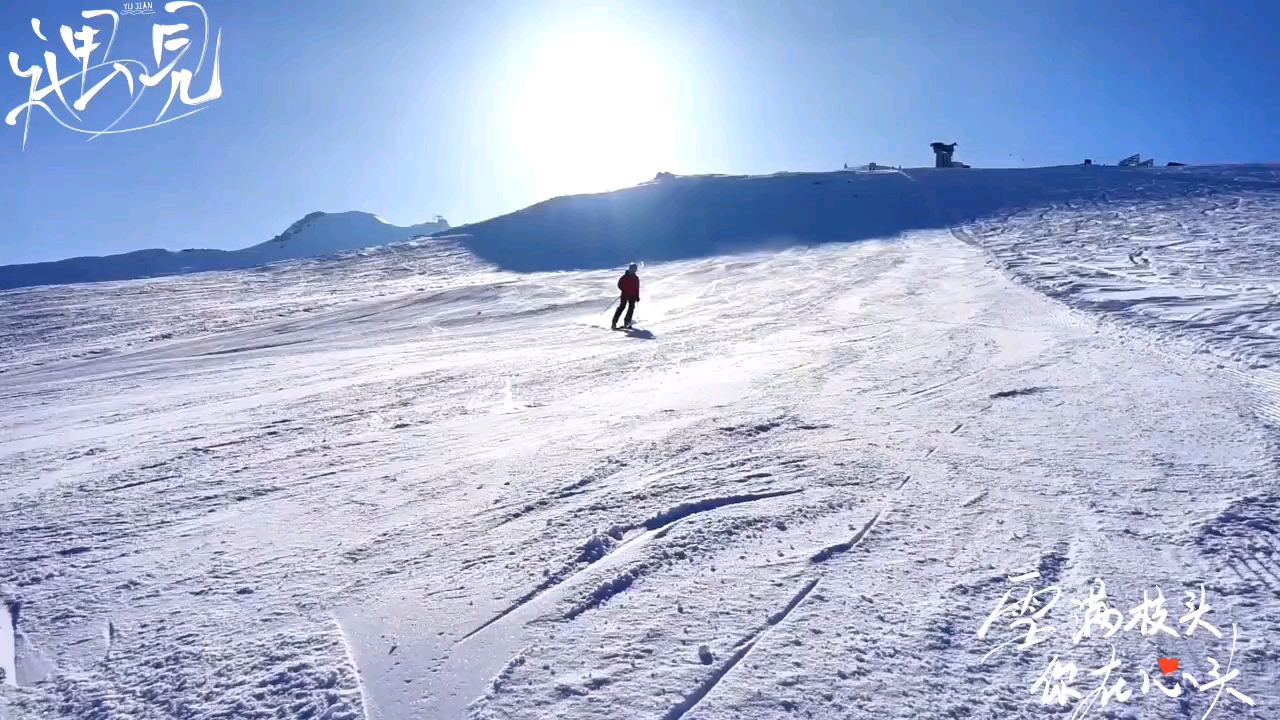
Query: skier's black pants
{"points": [[629, 305]]}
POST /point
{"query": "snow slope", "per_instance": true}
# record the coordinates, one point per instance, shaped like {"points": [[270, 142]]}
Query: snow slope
{"points": [[694, 216], [415, 484], [316, 234], [1188, 249], [1189, 252]]}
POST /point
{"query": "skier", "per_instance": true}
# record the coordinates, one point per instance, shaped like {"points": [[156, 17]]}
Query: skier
{"points": [[629, 284]]}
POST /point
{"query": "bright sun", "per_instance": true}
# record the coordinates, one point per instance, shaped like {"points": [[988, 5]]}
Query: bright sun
{"points": [[593, 113]]}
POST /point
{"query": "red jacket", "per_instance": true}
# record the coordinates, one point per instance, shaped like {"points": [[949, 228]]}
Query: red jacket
{"points": [[629, 284]]}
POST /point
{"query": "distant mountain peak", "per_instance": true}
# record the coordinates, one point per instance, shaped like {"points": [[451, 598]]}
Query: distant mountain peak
{"points": [[325, 232], [315, 234]]}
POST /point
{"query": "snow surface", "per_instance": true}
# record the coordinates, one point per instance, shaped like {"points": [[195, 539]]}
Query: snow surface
{"points": [[416, 484], [315, 235]]}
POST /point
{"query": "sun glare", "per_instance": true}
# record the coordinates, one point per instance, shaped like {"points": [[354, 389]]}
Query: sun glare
{"points": [[593, 113]]}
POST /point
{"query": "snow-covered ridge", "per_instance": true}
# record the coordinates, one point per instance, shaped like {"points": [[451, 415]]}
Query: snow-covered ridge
{"points": [[1187, 251], [685, 217], [44, 325], [320, 233], [316, 234]]}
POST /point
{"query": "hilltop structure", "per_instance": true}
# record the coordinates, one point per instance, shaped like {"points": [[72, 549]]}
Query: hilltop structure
{"points": [[942, 153]]}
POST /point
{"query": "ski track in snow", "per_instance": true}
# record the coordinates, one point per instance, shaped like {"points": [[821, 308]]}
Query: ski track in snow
{"points": [[407, 485], [9, 644]]}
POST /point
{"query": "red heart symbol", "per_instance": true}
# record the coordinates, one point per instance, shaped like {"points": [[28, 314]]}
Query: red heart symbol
{"points": [[1168, 665]]}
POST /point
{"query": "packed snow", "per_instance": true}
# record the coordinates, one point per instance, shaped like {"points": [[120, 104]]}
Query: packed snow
{"points": [[428, 481]]}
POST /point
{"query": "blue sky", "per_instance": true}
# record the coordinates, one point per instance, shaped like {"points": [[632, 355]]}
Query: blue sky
{"points": [[473, 109]]}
